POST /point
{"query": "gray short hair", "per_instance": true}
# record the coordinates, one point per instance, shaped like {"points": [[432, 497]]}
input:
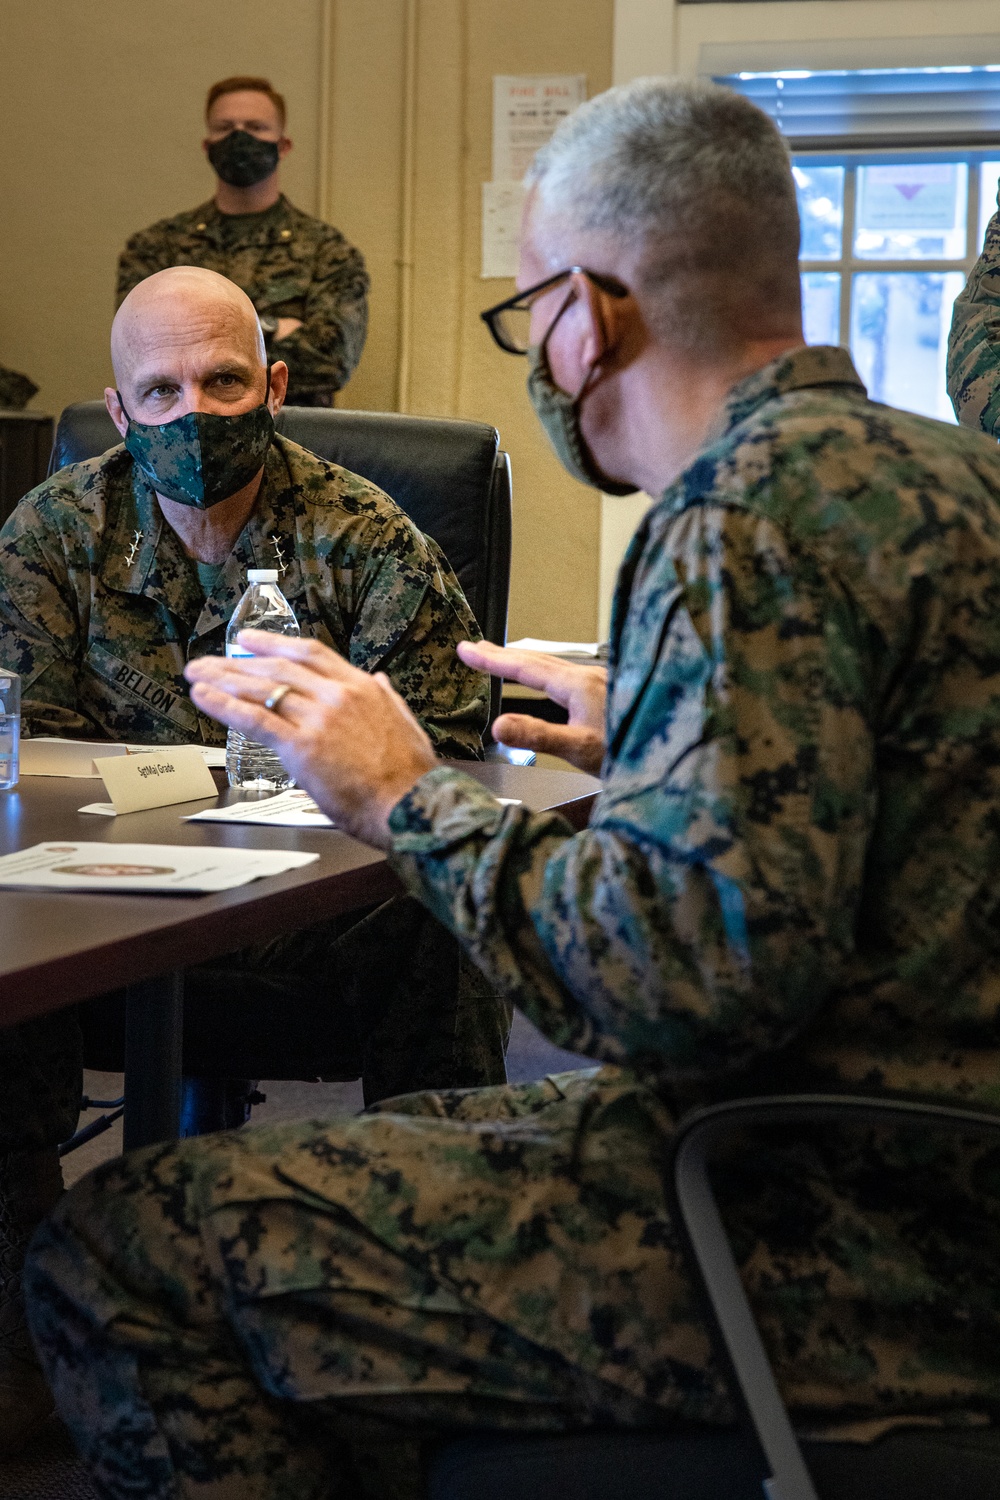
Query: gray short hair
{"points": [[695, 175]]}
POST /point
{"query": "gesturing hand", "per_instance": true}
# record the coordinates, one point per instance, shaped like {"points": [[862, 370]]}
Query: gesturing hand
{"points": [[345, 735], [579, 689]]}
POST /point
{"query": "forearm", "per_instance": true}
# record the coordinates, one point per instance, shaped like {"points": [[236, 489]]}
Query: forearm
{"points": [[323, 352], [612, 948]]}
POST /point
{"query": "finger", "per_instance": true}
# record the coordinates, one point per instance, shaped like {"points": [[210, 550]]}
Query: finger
{"points": [[525, 732], [530, 668], [251, 719], [301, 648], [254, 678]]}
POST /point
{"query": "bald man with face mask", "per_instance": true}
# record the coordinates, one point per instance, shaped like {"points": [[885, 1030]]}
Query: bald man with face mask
{"points": [[117, 572]]}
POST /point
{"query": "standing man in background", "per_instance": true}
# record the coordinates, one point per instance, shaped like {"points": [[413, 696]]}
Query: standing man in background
{"points": [[309, 286], [974, 343]]}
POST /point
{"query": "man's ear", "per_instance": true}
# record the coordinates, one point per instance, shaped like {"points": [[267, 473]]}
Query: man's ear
{"points": [[115, 411], [284, 146], [599, 331], [279, 386]]}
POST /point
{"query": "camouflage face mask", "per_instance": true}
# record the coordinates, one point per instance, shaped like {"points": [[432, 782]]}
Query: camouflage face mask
{"points": [[241, 159], [201, 458], [559, 414]]}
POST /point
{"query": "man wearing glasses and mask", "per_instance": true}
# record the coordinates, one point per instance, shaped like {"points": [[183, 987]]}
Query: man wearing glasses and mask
{"points": [[309, 286], [789, 882]]}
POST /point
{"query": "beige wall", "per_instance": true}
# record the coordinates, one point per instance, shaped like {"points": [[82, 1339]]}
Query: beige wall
{"points": [[100, 118], [406, 185]]}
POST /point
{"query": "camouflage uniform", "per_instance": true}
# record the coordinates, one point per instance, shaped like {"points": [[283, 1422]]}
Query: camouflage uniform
{"points": [[789, 881], [974, 342], [290, 265], [16, 390], [100, 608]]}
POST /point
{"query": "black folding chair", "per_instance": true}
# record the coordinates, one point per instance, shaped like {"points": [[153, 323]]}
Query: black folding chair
{"points": [[762, 1457]]}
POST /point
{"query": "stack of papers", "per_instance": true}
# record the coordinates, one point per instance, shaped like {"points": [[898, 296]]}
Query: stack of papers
{"points": [[158, 868], [593, 650], [291, 809], [49, 756]]}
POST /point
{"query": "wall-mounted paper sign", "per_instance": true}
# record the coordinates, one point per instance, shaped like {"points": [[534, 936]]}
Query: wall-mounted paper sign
{"points": [[526, 110], [136, 782], [503, 203], [921, 196]]}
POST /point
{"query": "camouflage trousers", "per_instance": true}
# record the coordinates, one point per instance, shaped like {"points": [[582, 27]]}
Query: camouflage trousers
{"points": [[291, 1311], [294, 1311]]}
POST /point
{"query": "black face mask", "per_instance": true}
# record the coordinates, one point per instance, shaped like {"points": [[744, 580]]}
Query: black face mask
{"points": [[241, 159], [201, 458]]}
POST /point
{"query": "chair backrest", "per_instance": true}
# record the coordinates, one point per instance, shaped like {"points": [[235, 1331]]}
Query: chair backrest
{"points": [[449, 477], [711, 1260]]}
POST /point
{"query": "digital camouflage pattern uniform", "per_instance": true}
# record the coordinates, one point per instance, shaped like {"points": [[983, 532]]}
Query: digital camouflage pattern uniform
{"points": [[100, 608], [789, 881], [16, 390], [290, 265], [974, 342]]}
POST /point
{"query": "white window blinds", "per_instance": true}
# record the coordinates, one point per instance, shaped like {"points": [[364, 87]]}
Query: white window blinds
{"points": [[879, 108]]}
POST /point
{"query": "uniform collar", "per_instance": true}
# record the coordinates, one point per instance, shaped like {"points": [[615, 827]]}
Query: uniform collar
{"points": [[272, 226], [800, 369], [143, 555]]}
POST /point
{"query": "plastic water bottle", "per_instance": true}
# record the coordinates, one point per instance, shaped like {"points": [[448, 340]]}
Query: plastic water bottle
{"points": [[249, 766], [10, 728]]}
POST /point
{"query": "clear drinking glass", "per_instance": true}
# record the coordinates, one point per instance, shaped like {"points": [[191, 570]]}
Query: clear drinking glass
{"points": [[10, 728]]}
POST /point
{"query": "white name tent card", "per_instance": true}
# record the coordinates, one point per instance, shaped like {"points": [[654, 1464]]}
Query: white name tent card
{"points": [[161, 869], [47, 755], [156, 778]]}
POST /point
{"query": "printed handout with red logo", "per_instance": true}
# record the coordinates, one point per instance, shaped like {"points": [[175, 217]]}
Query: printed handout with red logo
{"points": [[163, 869]]}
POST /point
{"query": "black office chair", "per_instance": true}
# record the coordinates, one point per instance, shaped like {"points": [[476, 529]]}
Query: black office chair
{"points": [[453, 481], [451, 478], [763, 1457]]}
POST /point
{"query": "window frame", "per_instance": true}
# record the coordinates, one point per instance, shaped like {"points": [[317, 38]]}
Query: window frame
{"points": [[848, 264]]}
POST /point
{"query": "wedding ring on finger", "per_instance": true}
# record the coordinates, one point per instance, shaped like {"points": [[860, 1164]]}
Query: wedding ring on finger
{"points": [[273, 700]]}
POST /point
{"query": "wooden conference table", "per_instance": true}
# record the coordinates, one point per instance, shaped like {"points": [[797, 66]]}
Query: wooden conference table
{"points": [[56, 949]]}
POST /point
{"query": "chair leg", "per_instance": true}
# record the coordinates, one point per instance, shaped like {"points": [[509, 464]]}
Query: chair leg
{"points": [[209, 1104]]}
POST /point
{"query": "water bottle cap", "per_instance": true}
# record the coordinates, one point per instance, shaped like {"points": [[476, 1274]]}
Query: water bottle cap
{"points": [[262, 575]]}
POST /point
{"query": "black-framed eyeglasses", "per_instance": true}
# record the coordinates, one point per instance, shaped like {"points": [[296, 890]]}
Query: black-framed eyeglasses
{"points": [[510, 321]]}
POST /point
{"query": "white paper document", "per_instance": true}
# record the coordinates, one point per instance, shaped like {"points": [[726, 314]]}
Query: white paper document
{"points": [[503, 204], [292, 809], [47, 755], [557, 648], [162, 869]]}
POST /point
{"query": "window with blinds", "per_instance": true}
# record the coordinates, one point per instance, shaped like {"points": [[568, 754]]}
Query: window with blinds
{"points": [[881, 108], [896, 171]]}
